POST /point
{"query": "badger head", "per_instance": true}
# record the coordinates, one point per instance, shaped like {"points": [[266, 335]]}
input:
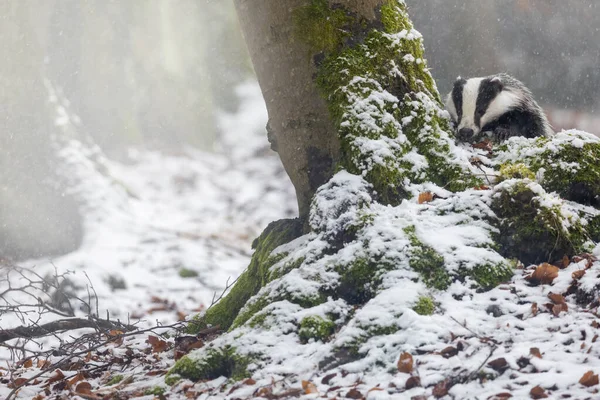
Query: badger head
{"points": [[476, 103]]}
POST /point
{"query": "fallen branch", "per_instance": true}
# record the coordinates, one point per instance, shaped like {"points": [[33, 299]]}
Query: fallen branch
{"points": [[61, 325]]}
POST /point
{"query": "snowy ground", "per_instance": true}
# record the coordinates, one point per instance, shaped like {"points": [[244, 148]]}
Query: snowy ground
{"points": [[174, 228], [169, 231]]}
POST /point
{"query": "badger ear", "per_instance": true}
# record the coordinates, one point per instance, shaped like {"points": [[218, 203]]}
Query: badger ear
{"points": [[496, 83], [460, 81]]}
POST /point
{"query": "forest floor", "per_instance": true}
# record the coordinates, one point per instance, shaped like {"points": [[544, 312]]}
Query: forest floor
{"points": [[176, 231]]}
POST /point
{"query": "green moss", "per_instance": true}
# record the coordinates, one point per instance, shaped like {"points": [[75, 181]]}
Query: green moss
{"points": [[365, 75], [515, 171], [392, 16], [213, 363], [172, 379], [259, 303], [316, 328], [287, 267], [115, 379], [187, 273], [360, 279], [532, 231], [427, 262], [156, 391], [488, 275], [322, 28], [424, 306], [255, 277]]}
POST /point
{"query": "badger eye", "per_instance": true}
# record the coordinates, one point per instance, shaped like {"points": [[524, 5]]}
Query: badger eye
{"points": [[479, 112]]}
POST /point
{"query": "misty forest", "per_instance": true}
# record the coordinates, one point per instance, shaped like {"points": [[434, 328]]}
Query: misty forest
{"points": [[299, 199]]}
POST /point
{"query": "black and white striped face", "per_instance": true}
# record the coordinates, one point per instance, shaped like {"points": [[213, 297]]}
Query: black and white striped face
{"points": [[477, 102]]}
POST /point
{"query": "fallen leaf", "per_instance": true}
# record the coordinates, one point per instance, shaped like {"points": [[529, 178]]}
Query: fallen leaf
{"points": [[28, 363], [538, 392], [309, 387], [354, 394], [327, 378], [425, 197], [38, 397], [441, 389], [556, 298], [158, 345], [534, 309], [249, 382], [484, 145], [557, 309], [534, 351], [375, 389], [449, 352], [84, 388], [578, 274], [16, 383], [544, 274], [500, 396], [412, 382], [55, 377], [405, 363], [482, 187], [499, 364], [42, 363], [78, 377], [589, 379]]}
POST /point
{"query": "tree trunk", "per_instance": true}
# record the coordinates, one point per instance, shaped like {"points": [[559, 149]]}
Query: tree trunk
{"points": [[299, 127]]}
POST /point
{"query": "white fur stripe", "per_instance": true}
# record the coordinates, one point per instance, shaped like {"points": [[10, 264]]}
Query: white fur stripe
{"points": [[504, 102], [469, 98]]}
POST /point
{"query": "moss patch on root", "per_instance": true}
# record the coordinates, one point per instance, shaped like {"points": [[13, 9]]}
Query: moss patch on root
{"points": [[315, 328], [533, 225], [424, 306], [213, 364], [253, 279]]}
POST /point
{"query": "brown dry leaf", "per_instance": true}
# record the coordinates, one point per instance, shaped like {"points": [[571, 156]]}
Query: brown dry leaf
{"points": [[499, 364], [16, 383], [309, 387], [589, 379], [28, 363], [181, 316], [327, 378], [249, 382], [449, 352], [42, 363], [534, 309], [84, 388], [412, 382], [500, 396], [556, 298], [354, 394], [484, 145], [564, 263], [577, 275], [534, 351], [56, 376], [405, 363], [557, 309], [441, 389], [38, 397], [482, 187], [544, 274], [158, 345], [78, 377], [538, 392], [425, 197], [264, 392], [375, 389]]}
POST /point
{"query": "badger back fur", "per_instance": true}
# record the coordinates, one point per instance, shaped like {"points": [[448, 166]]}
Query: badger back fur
{"points": [[499, 104]]}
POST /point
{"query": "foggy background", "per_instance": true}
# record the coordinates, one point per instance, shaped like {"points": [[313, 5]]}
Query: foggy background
{"points": [[155, 75]]}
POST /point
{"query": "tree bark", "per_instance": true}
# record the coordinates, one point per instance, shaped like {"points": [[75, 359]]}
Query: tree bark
{"points": [[300, 128]]}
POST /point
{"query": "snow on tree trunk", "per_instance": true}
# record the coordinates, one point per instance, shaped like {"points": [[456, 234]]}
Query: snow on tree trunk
{"points": [[380, 267]]}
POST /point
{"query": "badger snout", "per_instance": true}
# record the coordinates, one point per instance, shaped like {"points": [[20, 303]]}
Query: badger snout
{"points": [[465, 134]]}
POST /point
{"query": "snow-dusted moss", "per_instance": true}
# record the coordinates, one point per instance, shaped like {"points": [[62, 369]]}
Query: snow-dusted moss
{"points": [[566, 163], [425, 306], [211, 364], [392, 127], [322, 28], [256, 275], [315, 327], [536, 226]]}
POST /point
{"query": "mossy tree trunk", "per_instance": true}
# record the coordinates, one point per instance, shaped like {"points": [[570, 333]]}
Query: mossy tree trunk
{"points": [[286, 53]]}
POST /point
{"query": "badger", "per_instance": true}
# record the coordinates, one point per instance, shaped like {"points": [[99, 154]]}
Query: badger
{"points": [[499, 105]]}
